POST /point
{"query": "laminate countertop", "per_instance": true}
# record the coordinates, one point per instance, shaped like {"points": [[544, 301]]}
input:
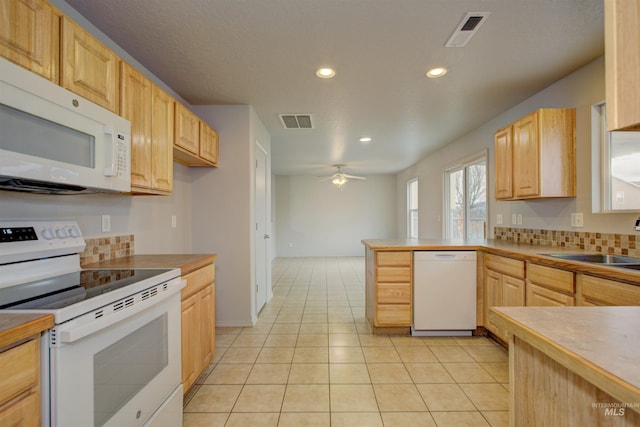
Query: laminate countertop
{"points": [[532, 253], [185, 262], [15, 327], [600, 344]]}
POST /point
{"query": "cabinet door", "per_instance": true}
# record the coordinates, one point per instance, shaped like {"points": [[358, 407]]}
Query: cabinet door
{"points": [[135, 106], [29, 35], [538, 296], [187, 133], [503, 163], [526, 157], [208, 143], [190, 338], [513, 292], [493, 283], [207, 326], [88, 67], [622, 62], [162, 133]]}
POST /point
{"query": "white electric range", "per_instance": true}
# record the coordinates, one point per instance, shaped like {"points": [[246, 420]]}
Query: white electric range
{"points": [[113, 357]]}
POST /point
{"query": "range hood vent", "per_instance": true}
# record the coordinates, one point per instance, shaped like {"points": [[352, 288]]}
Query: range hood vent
{"points": [[467, 28], [296, 121]]}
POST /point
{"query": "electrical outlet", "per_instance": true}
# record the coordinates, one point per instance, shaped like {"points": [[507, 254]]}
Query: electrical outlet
{"points": [[519, 219], [514, 219], [174, 221], [577, 219], [106, 223], [499, 219]]}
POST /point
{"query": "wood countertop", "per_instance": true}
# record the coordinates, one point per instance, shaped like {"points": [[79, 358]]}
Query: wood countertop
{"points": [[600, 344], [15, 327], [185, 262], [531, 253]]}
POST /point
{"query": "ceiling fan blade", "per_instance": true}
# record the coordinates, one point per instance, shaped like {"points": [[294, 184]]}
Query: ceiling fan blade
{"points": [[325, 178], [354, 177]]}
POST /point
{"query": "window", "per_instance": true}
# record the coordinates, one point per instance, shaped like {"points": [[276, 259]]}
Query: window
{"points": [[412, 209], [466, 200], [615, 171]]}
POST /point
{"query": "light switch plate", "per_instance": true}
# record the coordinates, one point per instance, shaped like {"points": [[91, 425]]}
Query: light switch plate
{"points": [[106, 223], [499, 219], [514, 219], [577, 219]]}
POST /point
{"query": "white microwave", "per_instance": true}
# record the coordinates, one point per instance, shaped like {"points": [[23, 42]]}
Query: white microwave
{"points": [[54, 141]]}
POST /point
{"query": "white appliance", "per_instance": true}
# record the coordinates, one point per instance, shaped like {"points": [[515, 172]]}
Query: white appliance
{"points": [[444, 293], [113, 357], [54, 141]]}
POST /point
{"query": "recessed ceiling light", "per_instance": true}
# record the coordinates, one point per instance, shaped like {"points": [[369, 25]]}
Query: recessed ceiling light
{"points": [[365, 140], [325, 73], [434, 73]]}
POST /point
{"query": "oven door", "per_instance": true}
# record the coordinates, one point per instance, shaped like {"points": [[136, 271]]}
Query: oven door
{"points": [[120, 374]]}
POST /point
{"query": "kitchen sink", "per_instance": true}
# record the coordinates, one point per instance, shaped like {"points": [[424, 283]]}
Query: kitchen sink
{"points": [[598, 258], [629, 266]]}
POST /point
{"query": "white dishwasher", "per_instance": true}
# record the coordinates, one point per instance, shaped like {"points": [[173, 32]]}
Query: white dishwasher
{"points": [[444, 293]]}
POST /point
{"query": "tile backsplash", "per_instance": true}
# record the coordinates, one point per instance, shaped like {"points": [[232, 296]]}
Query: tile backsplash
{"points": [[608, 243], [106, 248]]}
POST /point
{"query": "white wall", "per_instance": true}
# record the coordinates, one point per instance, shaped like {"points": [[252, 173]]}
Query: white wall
{"points": [[317, 219], [223, 210], [147, 217], [581, 90]]}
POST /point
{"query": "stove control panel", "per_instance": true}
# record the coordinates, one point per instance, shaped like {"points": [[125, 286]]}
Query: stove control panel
{"points": [[29, 240]]}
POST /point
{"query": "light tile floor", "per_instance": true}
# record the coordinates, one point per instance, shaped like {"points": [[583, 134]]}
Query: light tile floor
{"points": [[311, 360]]}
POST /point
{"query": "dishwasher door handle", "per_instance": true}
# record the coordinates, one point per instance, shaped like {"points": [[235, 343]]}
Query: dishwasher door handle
{"points": [[445, 256]]}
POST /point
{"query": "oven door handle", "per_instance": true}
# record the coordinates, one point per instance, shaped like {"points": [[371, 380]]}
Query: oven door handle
{"points": [[89, 324]]}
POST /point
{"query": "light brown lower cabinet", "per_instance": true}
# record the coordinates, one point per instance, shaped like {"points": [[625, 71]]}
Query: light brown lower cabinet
{"points": [[20, 384], [198, 324], [388, 290], [504, 286]]}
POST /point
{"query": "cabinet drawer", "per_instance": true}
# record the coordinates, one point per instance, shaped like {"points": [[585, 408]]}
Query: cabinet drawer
{"points": [[20, 367], [394, 293], [24, 412], [393, 315], [537, 296], [394, 274], [402, 258], [512, 267], [197, 280], [608, 292], [550, 277]]}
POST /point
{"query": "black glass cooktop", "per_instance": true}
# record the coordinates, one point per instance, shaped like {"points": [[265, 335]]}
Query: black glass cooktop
{"points": [[67, 289]]}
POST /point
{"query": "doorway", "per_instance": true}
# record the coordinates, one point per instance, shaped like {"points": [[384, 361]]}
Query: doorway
{"points": [[262, 229]]}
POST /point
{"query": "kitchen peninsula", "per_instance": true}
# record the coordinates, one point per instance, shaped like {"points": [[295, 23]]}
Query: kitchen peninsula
{"points": [[584, 373]]}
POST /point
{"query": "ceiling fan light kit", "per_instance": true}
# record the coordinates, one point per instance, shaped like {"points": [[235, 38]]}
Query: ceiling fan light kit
{"points": [[339, 179]]}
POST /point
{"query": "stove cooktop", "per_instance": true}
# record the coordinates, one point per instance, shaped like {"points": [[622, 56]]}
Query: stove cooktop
{"points": [[80, 287]]}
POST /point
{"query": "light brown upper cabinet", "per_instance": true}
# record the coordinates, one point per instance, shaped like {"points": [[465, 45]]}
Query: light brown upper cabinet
{"points": [[30, 35], [196, 143], [504, 158], [208, 143], [150, 111], [88, 67], [535, 156], [622, 63]]}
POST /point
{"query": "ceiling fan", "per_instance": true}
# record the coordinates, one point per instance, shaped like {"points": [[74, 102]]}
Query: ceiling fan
{"points": [[340, 178]]}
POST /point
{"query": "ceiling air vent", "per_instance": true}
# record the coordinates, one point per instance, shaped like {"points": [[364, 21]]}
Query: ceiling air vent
{"points": [[469, 25], [296, 121]]}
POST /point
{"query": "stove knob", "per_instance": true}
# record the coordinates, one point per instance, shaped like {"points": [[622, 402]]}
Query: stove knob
{"points": [[62, 233], [48, 234], [74, 231]]}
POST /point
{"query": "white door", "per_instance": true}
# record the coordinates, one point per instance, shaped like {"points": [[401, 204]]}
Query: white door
{"points": [[262, 230]]}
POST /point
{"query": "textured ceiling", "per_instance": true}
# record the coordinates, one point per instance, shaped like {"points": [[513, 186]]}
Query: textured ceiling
{"points": [[265, 52]]}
